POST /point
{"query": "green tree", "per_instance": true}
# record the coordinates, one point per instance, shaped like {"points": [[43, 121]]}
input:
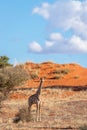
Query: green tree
{"points": [[4, 61]]}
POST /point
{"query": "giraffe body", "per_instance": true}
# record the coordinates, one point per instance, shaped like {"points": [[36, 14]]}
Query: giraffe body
{"points": [[34, 99]]}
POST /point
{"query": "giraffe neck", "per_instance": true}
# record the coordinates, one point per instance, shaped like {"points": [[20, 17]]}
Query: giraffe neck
{"points": [[39, 89]]}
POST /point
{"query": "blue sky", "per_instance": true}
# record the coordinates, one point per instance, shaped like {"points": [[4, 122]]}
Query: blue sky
{"points": [[44, 30]]}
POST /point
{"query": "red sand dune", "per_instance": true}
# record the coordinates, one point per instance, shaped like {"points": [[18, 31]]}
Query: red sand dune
{"points": [[56, 74]]}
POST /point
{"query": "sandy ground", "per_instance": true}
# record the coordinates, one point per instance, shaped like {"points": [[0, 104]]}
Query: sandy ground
{"points": [[60, 109]]}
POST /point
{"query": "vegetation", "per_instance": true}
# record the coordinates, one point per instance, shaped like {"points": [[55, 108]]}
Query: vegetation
{"points": [[10, 77], [48, 62], [4, 61], [65, 71], [76, 77], [84, 127], [59, 73], [62, 71], [33, 76], [22, 115], [56, 77]]}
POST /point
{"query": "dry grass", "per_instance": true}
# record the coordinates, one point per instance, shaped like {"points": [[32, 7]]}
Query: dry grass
{"points": [[59, 109]]}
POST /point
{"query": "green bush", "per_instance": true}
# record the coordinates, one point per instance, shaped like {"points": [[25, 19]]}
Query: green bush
{"points": [[4, 61]]}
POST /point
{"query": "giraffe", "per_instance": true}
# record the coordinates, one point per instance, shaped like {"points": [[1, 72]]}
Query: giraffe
{"points": [[34, 99]]}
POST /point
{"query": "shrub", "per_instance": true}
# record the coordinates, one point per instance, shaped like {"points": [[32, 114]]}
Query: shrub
{"points": [[22, 115], [33, 76], [3, 79], [84, 127], [10, 77], [65, 71], [56, 77], [4, 61], [76, 77], [56, 72]]}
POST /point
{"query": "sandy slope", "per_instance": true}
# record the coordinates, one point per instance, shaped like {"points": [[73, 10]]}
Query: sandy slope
{"points": [[75, 75]]}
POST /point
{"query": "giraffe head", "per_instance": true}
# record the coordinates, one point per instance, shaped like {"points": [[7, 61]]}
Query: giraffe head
{"points": [[42, 79]]}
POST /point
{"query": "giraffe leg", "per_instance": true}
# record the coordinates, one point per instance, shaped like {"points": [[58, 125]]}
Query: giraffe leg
{"points": [[29, 110], [39, 112]]}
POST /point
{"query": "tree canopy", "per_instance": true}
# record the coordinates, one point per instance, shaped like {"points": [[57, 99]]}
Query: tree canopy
{"points": [[4, 61]]}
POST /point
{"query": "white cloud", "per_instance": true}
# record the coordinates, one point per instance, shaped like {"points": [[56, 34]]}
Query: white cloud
{"points": [[35, 47], [49, 43], [43, 10], [78, 44], [64, 16], [72, 45], [56, 36], [54, 45], [60, 13]]}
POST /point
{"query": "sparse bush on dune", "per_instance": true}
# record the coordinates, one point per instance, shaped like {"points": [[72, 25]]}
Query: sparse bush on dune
{"points": [[76, 77], [61, 71], [56, 77], [10, 77], [47, 62], [33, 75], [65, 71]]}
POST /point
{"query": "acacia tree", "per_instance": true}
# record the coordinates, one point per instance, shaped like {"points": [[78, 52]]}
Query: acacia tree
{"points": [[4, 61]]}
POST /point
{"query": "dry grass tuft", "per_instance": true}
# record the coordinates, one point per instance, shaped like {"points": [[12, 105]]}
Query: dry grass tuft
{"points": [[22, 115], [84, 127]]}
